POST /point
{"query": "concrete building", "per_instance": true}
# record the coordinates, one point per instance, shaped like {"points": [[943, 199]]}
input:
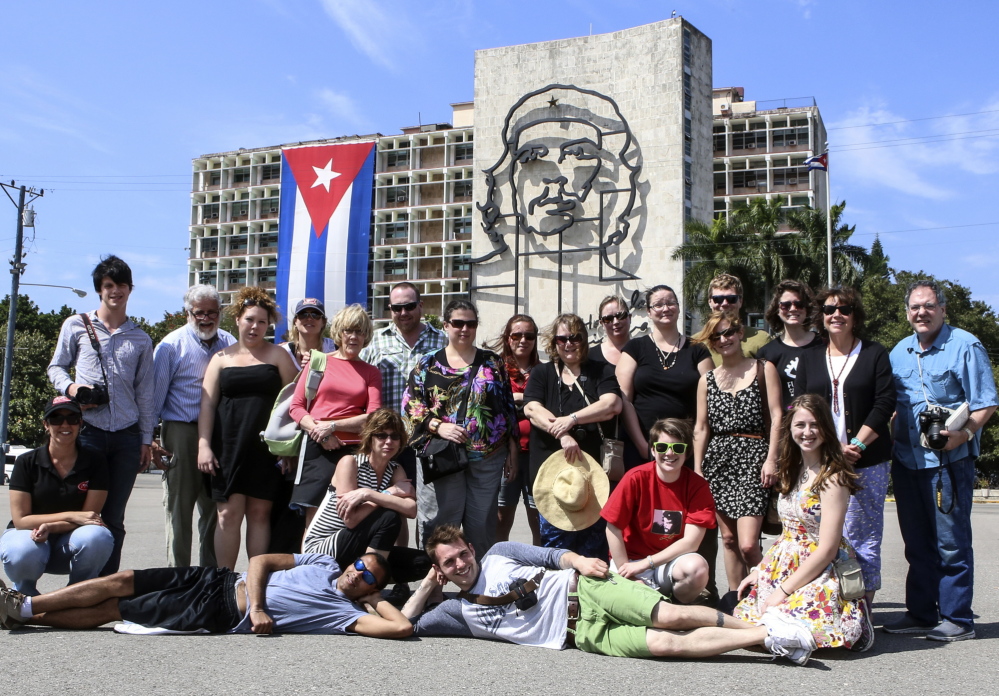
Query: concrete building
{"points": [[760, 150]]}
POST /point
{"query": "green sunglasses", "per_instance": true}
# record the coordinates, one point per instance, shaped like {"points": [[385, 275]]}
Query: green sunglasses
{"points": [[664, 447]]}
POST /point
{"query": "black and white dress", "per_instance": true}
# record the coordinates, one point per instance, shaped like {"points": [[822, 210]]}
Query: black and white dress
{"points": [[733, 461]]}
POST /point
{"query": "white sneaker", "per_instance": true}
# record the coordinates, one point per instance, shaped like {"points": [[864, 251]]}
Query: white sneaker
{"points": [[787, 637]]}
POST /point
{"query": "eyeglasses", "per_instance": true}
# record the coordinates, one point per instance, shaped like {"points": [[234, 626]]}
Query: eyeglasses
{"points": [[675, 447], [530, 336], [797, 304], [310, 314], [929, 307], [574, 339], [353, 332], [730, 331], [462, 323], [366, 574], [661, 306], [405, 307], [722, 299], [205, 315], [386, 436], [69, 418], [844, 309], [617, 316]]}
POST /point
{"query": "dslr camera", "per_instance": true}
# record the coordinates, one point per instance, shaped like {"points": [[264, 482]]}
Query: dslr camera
{"points": [[525, 600], [931, 422], [96, 395]]}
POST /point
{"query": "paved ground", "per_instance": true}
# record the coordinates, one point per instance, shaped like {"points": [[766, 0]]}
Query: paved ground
{"points": [[42, 661]]}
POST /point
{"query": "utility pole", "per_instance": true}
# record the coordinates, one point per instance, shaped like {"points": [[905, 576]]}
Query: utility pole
{"points": [[17, 268]]}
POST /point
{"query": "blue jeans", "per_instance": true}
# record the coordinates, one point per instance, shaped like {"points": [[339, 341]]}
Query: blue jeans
{"points": [[123, 450], [940, 580], [80, 553]]}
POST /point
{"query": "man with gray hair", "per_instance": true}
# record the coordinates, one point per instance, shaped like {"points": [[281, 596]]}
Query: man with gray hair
{"points": [[943, 381], [179, 364]]}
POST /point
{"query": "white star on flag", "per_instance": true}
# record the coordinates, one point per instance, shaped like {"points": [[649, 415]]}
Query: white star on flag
{"points": [[325, 175]]}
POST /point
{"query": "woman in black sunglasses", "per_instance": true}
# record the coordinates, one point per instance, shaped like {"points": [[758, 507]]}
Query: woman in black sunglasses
{"points": [[57, 492], [791, 312], [369, 501], [615, 319], [855, 377]]}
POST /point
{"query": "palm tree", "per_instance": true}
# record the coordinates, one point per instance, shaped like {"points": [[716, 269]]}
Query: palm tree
{"points": [[808, 246]]}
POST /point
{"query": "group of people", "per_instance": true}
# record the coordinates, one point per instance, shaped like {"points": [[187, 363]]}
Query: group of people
{"points": [[630, 457]]}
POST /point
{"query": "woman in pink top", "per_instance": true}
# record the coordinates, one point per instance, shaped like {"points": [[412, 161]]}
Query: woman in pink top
{"points": [[349, 391]]}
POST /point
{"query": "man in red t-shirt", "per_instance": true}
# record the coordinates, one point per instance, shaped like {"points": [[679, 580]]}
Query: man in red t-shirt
{"points": [[657, 515]]}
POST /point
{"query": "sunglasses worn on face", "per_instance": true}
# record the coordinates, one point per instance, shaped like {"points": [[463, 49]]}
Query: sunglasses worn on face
{"points": [[797, 304], [530, 336], [574, 339], [730, 331], [386, 436], [664, 447], [310, 314], [462, 323], [616, 316], [722, 299], [366, 574], [844, 309], [407, 306], [70, 418], [205, 315]]}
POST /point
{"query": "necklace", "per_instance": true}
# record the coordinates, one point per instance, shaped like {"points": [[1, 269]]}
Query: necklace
{"points": [[804, 475], [664, 358], [835, 381]]}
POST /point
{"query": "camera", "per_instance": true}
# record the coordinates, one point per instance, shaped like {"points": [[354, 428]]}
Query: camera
{"points": [[579, 434], [525, 600], [931, 422], [96, 395]]}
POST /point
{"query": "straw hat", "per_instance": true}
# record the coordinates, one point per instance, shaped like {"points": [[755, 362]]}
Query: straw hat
{"points": [[571, 495]]}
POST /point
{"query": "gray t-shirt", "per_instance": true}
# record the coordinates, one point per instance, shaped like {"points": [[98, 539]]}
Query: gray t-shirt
{"points": [[305, 599], [543, 625]]}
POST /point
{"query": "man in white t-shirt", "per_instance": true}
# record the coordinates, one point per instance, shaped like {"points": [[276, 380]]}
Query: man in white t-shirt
{"points": [[554, 598]]}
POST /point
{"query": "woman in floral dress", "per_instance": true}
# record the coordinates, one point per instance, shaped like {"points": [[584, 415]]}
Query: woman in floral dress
{"points": [[796, 576]]}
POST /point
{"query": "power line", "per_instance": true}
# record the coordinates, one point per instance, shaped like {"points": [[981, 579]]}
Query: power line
{"points": [[913, 120], [925, 137], [922, 142], [91, 176]]}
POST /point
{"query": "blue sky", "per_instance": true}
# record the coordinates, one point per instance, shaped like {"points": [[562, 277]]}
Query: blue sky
{"points": [[105, 104]]}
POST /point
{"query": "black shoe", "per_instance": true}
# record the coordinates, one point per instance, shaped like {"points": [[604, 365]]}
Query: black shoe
{"points": [[398, 595], [950, 632], [907, 624]]}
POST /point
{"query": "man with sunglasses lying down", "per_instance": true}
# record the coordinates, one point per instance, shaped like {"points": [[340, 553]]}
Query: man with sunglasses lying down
{"points": [[657, 516], [280, 593]]}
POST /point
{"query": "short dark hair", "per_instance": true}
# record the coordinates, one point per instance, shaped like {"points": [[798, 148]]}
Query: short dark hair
{"points": [[406, 285], [459, 305], [444, 534], [653, 290], [804, 292], [382, 563], [384, 420], [926, 283], [846, 295], [502, 344], [114, 268], [672, 427]]}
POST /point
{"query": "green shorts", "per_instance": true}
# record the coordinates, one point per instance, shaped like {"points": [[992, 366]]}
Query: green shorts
{"points": [[613, 618]]}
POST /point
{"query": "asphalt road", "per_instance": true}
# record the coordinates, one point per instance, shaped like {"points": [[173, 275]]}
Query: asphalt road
{"points": [[44, 661]]}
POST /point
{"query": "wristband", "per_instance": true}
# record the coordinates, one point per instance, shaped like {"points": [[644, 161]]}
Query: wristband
{"points": [[971, 434], [781, 588], [574, 418], [652, 566], [858, 443]]}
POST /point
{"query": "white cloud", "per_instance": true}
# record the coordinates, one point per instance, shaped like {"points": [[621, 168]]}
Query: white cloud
{"points": [[342, 106], [369, 27]]}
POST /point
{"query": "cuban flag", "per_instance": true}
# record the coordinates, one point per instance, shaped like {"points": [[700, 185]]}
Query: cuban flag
{"points": [[325, 225], [820, 162]]}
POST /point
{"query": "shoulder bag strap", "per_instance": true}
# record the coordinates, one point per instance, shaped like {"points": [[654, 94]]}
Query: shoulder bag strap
{"points": [[587, 400], [96, 344]]}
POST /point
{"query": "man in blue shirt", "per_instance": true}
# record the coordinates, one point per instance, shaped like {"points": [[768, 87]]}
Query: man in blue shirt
{"points": [[939, 365], [179, 364], [280, 593]]}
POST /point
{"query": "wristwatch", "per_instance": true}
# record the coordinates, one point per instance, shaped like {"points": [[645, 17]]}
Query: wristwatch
{"points": [[970, 432]]}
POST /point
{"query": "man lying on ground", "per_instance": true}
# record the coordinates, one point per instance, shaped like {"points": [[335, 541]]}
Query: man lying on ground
{"points": [[554, 598], [280, 593]]}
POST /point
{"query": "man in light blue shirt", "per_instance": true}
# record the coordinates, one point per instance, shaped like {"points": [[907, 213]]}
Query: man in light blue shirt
{"points": [[179, 364], [939, 365], [114, 386]]}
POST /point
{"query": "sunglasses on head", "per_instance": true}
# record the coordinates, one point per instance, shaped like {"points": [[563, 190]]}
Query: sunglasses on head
{"points": [[406, 306], [574, 339], [462, 323], [844, 309], [721, 299], [730, 331], [797, 304], [366, 574], [386, 436], [617, 316], [67, 418], [310, 314], [529, 335], [664, 447]]}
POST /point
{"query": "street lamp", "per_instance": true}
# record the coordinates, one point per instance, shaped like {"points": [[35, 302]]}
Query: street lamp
{"points": [[80, 293]]}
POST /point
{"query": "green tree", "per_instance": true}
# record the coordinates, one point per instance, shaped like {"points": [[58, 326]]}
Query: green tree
{"points": [[807, 255], [30, 386], [713, 249]]}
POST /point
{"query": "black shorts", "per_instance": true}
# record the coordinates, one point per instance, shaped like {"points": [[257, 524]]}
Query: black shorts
{"points": [[183, 599], [318, 468]]}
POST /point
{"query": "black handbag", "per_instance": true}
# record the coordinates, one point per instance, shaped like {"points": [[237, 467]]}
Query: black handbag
{"points": [[440, 457]]}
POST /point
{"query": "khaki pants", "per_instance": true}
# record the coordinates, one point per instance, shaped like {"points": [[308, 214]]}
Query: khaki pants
{"points": [[183, 487]]}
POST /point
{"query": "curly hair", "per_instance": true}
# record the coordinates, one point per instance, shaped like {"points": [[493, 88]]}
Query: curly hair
{"points": [[384, 420], [252, 296], [725, 281], [848, 296], [575, 325], [729, 315], [835, 467], [804, 294], [351, 317]]}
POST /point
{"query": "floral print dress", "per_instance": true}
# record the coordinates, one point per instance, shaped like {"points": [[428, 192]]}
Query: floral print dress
{"points": [[834, 621]]}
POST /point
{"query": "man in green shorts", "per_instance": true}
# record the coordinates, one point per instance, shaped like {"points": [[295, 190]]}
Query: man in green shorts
{"points": [[554, 598]]}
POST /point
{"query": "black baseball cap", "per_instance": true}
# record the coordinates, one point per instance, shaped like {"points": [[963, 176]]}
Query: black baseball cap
{"points": [[62, 403]]}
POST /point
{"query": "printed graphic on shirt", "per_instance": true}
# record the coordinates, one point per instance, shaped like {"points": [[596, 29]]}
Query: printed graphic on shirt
{"points": [[83, 486], [490, 618], [667, 523], [791, 369]]}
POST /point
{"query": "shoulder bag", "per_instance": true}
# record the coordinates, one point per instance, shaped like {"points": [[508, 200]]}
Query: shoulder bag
{"points": [[282, 434], [440, 457]]}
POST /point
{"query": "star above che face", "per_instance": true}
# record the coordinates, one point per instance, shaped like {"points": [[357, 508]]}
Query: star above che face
{"points": [[325, 175]]}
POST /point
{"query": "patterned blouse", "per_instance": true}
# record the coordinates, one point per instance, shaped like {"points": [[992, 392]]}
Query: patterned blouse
{"points": [[435, 390]]}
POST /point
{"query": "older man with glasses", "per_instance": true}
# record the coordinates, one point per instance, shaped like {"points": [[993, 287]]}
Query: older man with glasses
{"points": [[725, 292], [179, 364]]}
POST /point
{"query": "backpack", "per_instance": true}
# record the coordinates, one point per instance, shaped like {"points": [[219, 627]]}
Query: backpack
{"points": [[282, 434]]}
